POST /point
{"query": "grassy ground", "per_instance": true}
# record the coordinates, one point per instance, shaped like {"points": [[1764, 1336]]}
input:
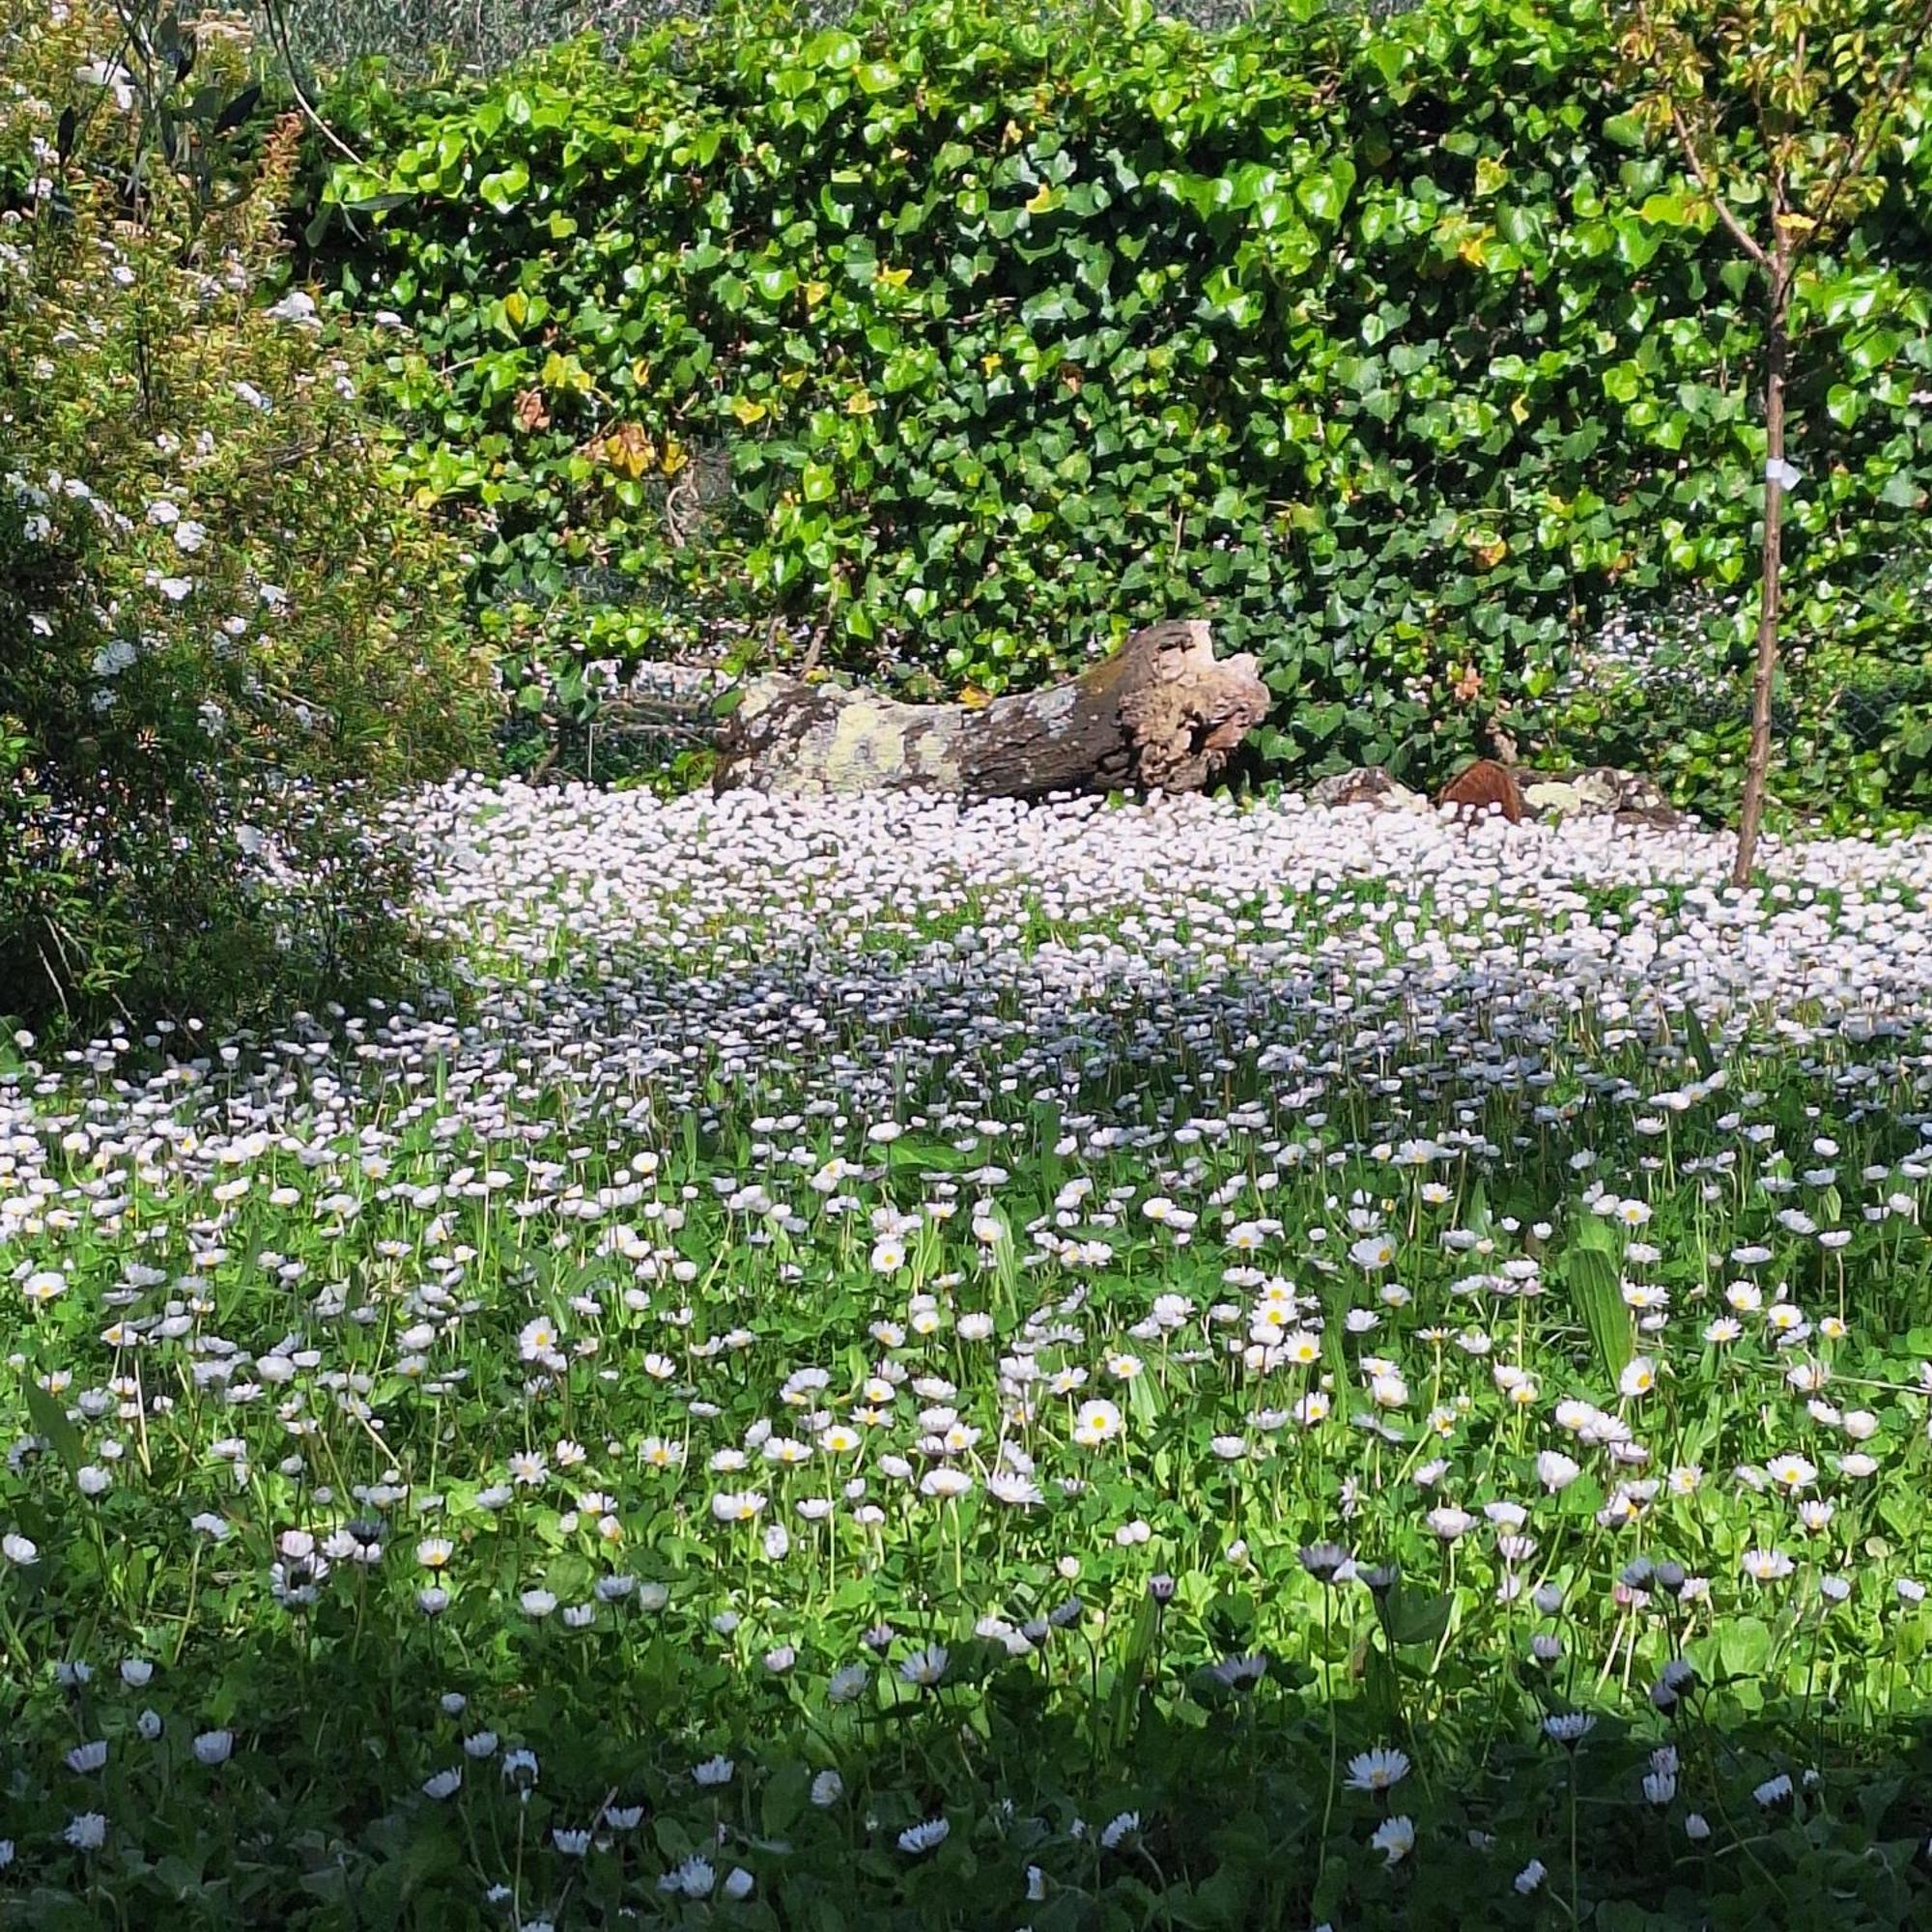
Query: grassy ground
{"points": [[875, 1367]]}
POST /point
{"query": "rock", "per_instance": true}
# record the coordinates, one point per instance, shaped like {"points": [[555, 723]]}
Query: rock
{"points": [[1483, 788], [1373, 786], [1596, 790], [1538, 797]]}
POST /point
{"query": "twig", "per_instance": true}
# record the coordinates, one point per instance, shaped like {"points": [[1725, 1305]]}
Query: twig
{"points": [[1746, 240], [1854, 160], [278, 29]]}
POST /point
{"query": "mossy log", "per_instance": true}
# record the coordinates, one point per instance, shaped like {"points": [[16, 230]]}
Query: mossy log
{"points": [[1162, 714]]}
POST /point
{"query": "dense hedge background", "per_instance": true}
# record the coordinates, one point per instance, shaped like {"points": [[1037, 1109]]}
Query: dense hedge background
{"points": [[966, 342]]}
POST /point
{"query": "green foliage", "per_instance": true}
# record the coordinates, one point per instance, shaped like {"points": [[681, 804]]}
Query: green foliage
{"points": [[225, 630], [1386, 343], [1594, 1271], [430, 37]]}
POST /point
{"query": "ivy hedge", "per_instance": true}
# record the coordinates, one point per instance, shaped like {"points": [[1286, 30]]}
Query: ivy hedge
{"points": [[962, 341]]}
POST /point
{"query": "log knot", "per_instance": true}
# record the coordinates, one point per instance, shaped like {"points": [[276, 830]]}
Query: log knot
{"points": [[1185, 725]]}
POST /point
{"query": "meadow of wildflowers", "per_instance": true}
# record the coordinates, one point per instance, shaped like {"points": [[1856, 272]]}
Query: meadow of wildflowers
{"points": [[885, 1365]]}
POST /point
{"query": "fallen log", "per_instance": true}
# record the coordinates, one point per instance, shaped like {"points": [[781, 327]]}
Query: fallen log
{"points": [[1162, 714]]}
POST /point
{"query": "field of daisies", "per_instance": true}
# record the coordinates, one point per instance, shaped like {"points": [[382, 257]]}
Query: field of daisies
{"points": [[880, 1365]]}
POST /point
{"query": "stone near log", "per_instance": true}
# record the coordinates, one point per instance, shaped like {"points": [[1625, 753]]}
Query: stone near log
{"points": [[1598, 790], [1372, 786], [1163, 713]]}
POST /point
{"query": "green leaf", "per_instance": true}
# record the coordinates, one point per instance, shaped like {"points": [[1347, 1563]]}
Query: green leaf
{"points": [[502, 188], [1699, 1043], [1671, 210], [1622, 381], [1416, 1619], [1594, 1271], [834, 47], [50, 1419], [1324, 195], [1389, 60], [1744, 1646], [236, 111]]}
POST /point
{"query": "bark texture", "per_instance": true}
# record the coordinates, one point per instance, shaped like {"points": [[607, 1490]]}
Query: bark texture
{"points": [[1757, 764], [1162, 714]]}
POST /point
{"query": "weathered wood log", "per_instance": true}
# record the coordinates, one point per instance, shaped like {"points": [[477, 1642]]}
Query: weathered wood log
{"points": [[1162, 714]]}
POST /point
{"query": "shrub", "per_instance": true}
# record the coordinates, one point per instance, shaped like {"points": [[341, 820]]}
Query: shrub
{"points": [[1385, 342], [226, 630], [485, 36]]}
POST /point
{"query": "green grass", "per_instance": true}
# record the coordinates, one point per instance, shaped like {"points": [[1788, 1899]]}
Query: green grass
{"points": [[343, 1349]]}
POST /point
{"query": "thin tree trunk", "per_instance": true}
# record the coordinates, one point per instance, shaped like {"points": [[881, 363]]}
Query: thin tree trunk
{"points": [[1757, 766]]}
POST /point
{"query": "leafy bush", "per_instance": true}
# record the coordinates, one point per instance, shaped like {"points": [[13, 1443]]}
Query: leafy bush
{"points": [[225, 627], [970, 343], [483, 36]]}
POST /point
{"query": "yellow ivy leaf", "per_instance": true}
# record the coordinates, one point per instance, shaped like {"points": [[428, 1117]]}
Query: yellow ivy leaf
{"points": [[894, 278], [1041, 202], [628, 450], [859, 404], [974, 698], [1519, 409], [564, 372], [516, 307], [991, 362], [749, 411], [1472, 248], [816, 293], [673, 459]]}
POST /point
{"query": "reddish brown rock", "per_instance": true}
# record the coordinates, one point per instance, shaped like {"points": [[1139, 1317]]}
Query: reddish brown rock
{"points": [[1480, 787]]}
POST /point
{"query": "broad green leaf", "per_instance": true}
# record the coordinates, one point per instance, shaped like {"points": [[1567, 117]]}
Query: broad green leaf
{"points": [[50, 1419], [501, 189], [1592, 1268]]}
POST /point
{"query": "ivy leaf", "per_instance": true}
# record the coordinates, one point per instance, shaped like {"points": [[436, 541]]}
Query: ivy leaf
{"points": [[502, 188], [1325, 194]]}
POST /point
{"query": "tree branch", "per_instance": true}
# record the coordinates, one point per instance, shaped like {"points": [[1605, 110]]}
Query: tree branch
{"points": [[1746, 240], [278, 30], [1853, 161]]}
